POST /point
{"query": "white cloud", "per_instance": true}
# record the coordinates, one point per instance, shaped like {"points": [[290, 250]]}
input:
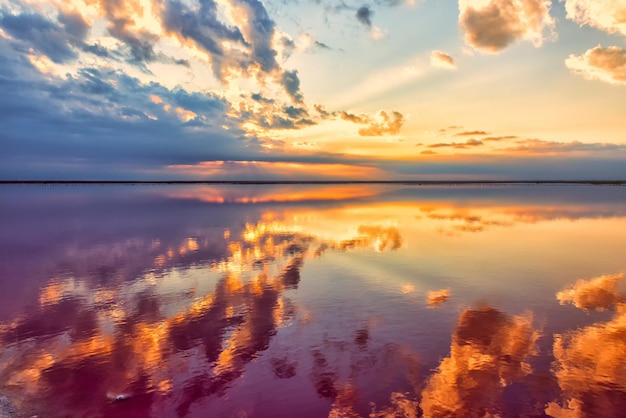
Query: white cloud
{"points": [[605, 64], [607, 15]]}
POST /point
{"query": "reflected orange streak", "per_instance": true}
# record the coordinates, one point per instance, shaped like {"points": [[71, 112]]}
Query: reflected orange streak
{"points": [[285, 170], [216, 195]]}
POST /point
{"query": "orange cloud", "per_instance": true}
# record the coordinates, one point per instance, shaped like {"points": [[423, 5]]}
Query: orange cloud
{"points": [[442, 60], [470, 133], [604, 64], [492, 25]]}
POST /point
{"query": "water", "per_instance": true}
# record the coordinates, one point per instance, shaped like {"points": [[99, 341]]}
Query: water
{"points": [[313, 301]]}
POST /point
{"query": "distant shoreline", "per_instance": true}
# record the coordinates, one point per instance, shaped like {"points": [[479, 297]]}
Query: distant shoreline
{"points": [[322, 182]]}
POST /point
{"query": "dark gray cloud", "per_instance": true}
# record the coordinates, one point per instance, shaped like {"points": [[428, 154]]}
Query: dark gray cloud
{"points": [[74, 24], [364, 15], [258, 97], [295, 112], [203, 28], [260, 31], [291, 83], [108, 118], [43, 35]]}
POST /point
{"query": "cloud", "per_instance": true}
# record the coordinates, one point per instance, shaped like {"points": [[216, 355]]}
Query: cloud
{"points": [[103, 119], [459, 145], [499, 138], [470, 133], [306, 42], [493, 25], [538, 146], [364, 15], [605, 64], [45, 36], [361, 119], [390, 125], [606, 15], [291, 84], [599, 293], [442, 60]]}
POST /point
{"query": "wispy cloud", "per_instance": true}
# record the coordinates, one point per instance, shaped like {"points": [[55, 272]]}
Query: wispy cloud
{"points": [[458, 145], [541, 146], [471, 133]]}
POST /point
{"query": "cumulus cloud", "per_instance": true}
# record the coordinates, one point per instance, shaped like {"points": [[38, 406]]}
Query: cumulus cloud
{"points": [[389, 125], [605, 64], [492, 25], [442, 60], [607, 15], [44, 35]]}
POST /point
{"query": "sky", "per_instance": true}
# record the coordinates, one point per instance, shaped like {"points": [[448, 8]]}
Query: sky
{"points": [[312, 90]]}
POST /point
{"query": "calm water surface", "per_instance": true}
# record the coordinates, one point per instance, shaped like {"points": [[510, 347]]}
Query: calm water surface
{"points": [[313, 301]]}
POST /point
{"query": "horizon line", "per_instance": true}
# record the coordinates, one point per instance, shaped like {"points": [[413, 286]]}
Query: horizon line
{"points": [[321, 182]]}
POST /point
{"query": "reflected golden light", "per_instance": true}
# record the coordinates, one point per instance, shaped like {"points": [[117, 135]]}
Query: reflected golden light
{"points": [[489, 351], [437, 297], [51, 294], [596, 294], [245, 304], [589, 362], [407, 288], [278, 169]]}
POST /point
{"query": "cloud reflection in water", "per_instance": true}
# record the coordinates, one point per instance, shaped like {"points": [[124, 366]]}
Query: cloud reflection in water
{"points": [[184, 302]]}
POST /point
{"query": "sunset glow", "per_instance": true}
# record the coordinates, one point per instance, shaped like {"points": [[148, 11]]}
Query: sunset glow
{"points": [[244, 89]]}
